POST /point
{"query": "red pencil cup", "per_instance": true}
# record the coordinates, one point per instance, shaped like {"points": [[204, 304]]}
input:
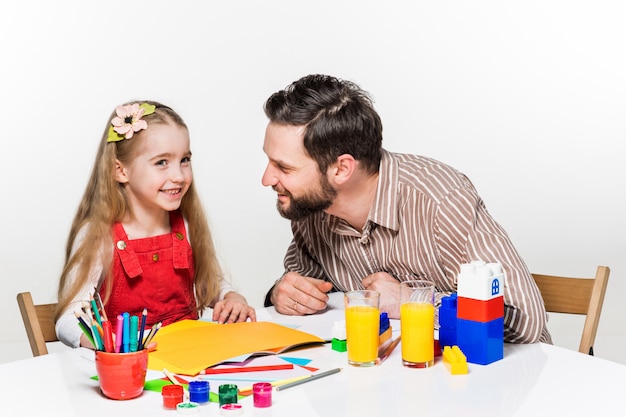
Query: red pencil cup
{"points": [[122, 375]]}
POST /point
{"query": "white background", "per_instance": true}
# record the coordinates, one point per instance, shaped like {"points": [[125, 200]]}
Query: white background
{"points": [[527, 98]]}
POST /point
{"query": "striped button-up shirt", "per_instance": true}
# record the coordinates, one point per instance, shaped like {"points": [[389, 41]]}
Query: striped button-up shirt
{"points": [[427, 219]]}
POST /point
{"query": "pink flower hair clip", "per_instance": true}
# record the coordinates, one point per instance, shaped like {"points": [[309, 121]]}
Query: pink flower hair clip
{"points": [[128, 121]]}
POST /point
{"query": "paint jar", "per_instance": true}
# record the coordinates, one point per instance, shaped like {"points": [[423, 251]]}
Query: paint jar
{"points": [[187, 408], [262, 394], [199, 391], [228, 394], [172, 395], [231, 410]]}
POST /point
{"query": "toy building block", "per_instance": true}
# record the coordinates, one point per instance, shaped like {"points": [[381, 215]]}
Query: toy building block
{"points": [[482, 343], [479, 310], [447, 320], [455, 360], [384, 332], [339, 342], [480, 280]]}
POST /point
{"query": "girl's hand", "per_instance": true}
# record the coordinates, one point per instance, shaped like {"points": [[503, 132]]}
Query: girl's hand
{"points": [[233, 309]]}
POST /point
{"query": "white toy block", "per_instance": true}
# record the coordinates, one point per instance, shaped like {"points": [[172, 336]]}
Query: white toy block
{"points": [[480, 281], [339, 330]]}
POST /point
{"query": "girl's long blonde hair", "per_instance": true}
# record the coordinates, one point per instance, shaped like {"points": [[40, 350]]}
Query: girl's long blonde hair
{"points": [[105, 202]]}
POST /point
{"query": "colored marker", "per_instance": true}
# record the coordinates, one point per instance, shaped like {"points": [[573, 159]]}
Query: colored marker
{"points": [[134, 324], [125, 332], [119, 333], [108, 336]]}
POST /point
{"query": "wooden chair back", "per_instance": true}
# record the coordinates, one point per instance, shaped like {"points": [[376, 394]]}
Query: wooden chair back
{"points": [[38, 322], [583, 296]]}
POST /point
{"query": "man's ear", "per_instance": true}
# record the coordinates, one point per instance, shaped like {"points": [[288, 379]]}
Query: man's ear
{"points": [[120, 173], [343, 169]]}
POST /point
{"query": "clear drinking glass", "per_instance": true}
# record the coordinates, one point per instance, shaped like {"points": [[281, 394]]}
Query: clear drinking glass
{"points": [[417, 323]]}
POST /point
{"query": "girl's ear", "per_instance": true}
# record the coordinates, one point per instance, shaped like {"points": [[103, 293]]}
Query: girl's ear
{"points": [[120, 173]]}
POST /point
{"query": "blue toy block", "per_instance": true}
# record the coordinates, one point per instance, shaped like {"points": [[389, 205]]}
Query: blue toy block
{"points": [[447, 320], [481, 342]]}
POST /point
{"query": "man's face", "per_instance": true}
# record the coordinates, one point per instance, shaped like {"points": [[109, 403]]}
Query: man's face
{"points": [[302, 189]]}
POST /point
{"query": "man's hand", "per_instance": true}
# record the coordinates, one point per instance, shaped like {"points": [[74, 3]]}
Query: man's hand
{"points": [[296, 295], [389, 289]]}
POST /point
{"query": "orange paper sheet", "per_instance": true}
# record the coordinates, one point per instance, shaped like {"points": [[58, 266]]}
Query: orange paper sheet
{"points": [[189, 346]]}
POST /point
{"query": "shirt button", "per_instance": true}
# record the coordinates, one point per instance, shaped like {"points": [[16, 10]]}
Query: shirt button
{"points": [[121, 245], [179, 236], [155, 257]]}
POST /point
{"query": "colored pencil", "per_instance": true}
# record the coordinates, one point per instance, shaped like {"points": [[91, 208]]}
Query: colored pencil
{"points": [[94, 308], [82, 320], [153, 331], [99, 300], [99, 345], [311, 378], [388, 351], [248, 390], [87, 331], [144, 316], [211, 371]]}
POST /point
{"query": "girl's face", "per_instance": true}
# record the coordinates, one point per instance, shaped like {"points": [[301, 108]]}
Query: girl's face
{"points": [[160, 175]]}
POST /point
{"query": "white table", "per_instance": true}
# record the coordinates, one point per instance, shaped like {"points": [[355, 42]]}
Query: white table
{"points": [[531, 380]]}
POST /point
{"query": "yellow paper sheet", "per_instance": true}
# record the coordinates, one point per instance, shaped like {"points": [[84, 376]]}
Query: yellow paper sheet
{"points": [[189, 346]]}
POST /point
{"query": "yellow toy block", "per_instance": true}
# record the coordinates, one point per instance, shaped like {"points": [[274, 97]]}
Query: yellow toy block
{"points": [[455, 360]]}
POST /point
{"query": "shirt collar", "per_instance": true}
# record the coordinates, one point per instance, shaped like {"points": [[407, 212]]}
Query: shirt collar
{"points": [[383, 211]]}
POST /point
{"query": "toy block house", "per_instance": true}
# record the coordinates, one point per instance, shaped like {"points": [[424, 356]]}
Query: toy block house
{"points": [[480, 312]]}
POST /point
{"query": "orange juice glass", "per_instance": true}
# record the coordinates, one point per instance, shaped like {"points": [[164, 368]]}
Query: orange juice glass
{"points": [[362, 323], [417, 323]]}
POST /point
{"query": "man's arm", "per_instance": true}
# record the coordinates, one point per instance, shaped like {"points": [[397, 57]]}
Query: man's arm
{"points": [[467, 232]]}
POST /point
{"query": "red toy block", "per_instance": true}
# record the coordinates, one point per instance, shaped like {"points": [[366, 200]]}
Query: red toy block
{"points": [[478, 310]]}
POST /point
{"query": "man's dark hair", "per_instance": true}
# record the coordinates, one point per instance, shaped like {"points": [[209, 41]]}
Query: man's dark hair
{"points": [[338, 115]]}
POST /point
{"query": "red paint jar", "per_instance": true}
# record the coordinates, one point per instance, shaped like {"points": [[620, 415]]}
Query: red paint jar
{"points": [[172, 395]]}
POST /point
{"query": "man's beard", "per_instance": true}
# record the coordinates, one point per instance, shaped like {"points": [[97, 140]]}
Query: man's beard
{"points": [[310, 203]]}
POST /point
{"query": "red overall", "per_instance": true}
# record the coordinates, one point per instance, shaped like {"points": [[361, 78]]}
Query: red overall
{"points": [[156, 273]]}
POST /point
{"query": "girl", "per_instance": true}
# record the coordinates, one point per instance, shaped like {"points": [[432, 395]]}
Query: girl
{"points": [[140, 235]]}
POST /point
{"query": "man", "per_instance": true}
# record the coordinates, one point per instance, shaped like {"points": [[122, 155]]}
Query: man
{"points": [[366, 218]]}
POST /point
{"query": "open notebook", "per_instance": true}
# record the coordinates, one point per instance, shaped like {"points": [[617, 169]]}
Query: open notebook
{"points": [[189, 346]]}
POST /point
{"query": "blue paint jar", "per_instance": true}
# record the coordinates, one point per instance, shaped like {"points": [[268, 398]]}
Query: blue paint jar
{"points": [[199, 391]]}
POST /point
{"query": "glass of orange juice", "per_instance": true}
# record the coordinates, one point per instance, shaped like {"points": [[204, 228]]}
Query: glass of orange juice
{"points": [[417, 323], [362, 321]]}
